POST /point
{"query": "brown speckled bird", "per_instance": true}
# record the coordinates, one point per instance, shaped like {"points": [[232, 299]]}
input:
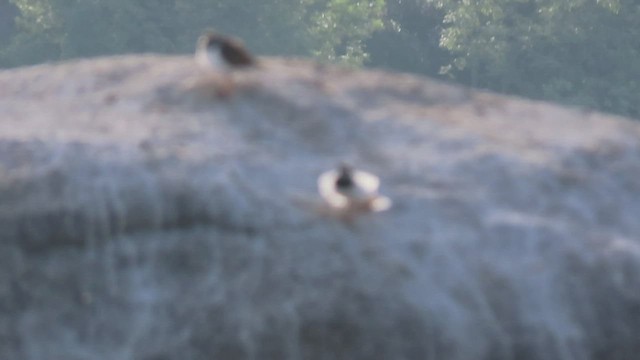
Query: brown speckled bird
{"points": [[221, 53], [221, 56]]}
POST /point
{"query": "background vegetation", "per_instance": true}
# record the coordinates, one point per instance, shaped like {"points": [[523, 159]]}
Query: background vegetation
{"points": [[579, 52]]}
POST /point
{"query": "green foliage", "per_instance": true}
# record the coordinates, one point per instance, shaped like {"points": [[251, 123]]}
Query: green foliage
{"points": [[410, 38], [578, 52], [342, 26]]}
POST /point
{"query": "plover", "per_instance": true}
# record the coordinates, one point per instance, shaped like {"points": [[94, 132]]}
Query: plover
{"points": [[221, 53], [351, 192]]}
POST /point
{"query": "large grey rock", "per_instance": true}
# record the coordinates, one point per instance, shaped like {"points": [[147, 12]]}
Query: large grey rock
{"points": [[141, 217]]}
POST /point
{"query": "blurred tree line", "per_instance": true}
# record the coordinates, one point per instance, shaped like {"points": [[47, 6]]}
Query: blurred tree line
{"points": [[579, 52]]}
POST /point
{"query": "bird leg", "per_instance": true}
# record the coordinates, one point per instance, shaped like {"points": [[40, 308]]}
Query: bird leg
{"points": [[226, 86]]}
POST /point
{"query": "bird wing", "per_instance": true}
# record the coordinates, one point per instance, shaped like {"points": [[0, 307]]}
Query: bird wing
{"points": [[369, 183], [327, 189], [236, 54]]}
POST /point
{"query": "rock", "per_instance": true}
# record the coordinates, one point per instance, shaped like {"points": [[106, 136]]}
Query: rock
{"points": [[142, 217]]}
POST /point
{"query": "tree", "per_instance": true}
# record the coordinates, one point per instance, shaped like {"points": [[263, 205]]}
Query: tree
{"points": [[410, 39], [341, 28], [576, 51], [8, 12]]}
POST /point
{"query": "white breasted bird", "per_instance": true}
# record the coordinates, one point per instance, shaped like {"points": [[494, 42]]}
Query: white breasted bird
{"points": [[221, 53], [351, 191]]}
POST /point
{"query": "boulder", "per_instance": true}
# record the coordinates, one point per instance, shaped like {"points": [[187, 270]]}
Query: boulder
{"points": [[143, 215]]}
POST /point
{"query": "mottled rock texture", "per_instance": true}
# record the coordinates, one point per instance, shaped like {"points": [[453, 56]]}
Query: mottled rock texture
{"points": [[144, 217]]}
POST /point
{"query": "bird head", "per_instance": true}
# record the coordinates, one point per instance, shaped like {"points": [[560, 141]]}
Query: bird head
{"points": [[210, 40], [345, 176]]}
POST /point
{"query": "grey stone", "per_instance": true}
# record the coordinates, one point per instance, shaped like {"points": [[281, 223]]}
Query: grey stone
{"points": [[143, 217]]}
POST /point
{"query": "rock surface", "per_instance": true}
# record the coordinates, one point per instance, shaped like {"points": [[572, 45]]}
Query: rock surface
{"points": [[143, 217]]}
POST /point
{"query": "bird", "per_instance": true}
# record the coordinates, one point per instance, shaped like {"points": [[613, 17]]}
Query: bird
{"points": [[351, 192], [222, 53]]}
